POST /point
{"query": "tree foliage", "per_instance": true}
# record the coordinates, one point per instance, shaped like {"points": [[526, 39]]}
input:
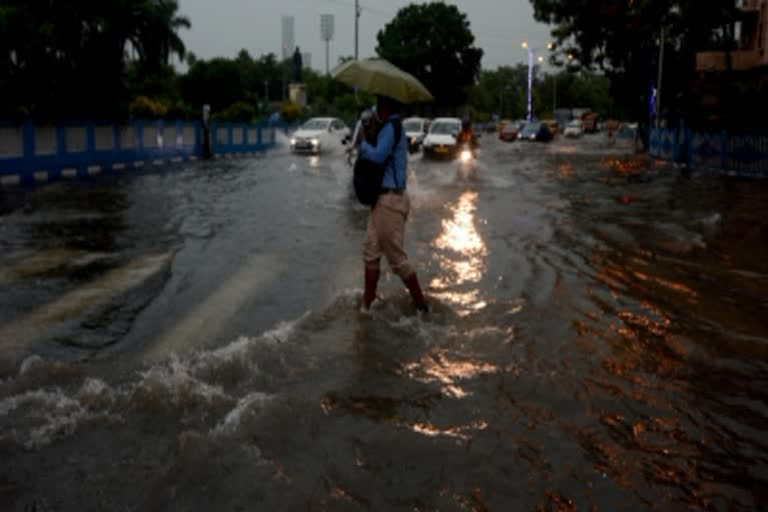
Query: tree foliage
{"points": [[504, 92], [621, 39], [68, 58], [434, 43]]}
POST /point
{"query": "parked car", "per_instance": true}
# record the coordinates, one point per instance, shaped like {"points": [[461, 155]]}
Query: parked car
{"points": [[590, 122], [627, 131], [501, 124], [415, 129], [574, 129], [553, 126], [510, 132], [319, 134], [536, 131], [611, 126], [441, 141]]}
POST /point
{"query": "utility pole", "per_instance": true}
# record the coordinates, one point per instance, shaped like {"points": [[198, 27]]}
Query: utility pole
{"points": [[357, 26], [326, 32], [661, 76], [554, 102]]}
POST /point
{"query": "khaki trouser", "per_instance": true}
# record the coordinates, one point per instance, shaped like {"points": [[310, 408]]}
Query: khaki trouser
{"points": [[386, 234]]}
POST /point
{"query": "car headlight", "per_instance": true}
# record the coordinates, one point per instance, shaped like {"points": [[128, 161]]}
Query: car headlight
{"points": [[315, 142], [293, 142]]}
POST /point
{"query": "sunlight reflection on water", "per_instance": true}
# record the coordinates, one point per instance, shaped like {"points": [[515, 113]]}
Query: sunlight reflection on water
{"points": [[462, 256]]}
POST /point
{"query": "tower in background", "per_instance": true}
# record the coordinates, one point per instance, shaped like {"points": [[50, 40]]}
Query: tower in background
{"points": [[289, 40]]}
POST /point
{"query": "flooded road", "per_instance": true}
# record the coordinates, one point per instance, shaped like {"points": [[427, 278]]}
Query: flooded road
{"points": [[190, 340]]}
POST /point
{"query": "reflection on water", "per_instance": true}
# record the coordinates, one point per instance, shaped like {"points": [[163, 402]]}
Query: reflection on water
{"points": [[462, 256], [638, 384], [447, 372]]}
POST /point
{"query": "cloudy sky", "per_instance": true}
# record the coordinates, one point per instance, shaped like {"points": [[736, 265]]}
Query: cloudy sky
{"points": [[223, 27]]}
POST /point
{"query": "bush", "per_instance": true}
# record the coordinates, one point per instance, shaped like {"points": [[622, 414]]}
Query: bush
{"points": [[182, 112], [290, 111], [147, 108], [238, 111]]}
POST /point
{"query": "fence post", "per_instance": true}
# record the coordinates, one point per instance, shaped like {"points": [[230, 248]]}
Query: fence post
{"points": [[28, 142], [90, 139], [28, 132], [724, 151], [117, 144], [139, 134], [689, 148]]}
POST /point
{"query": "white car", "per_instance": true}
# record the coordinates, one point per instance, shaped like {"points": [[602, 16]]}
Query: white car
{"points": [[319, 134], [442, 139], [415, 129], [574, 129]]}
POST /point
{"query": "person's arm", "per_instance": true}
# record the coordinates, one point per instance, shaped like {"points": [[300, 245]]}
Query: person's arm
{"points": [[384, 144]]}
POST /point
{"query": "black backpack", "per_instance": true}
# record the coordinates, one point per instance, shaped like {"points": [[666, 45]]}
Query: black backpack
{"points": [[369, 175]]}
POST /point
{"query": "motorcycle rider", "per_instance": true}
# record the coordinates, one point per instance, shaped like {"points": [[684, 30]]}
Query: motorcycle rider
{"points": [[467, 136]]}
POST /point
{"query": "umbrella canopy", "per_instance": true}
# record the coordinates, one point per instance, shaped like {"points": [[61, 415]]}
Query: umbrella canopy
{"points": [[378, 76]]}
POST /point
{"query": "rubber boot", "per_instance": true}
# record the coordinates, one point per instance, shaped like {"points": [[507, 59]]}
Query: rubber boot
{"points": [[371, 283], [412, 283]]}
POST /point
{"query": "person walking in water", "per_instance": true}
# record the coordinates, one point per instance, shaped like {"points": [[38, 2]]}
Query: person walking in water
{"points": [[385, 235]]}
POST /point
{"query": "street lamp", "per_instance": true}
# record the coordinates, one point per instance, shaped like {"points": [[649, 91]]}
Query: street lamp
{"points": [[531, 60], [554, 101]]}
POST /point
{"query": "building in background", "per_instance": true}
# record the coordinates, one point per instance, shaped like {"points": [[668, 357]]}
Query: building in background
{"points": [[751, 53], [289, 40]]}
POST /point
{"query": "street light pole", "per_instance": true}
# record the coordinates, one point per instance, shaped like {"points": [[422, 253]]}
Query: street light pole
{"points": [[661, 76], [357, 26], [554, 101], [531, 64], [529, 102]]}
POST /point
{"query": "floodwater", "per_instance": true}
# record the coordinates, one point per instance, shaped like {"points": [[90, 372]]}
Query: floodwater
{"points": [[190, 340]]}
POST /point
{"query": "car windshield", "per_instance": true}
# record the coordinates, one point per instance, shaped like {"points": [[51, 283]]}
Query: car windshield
{"points": [[532, 128], [412, 126], [511, 127], [316, 124], [445, 128], [574, 124]]}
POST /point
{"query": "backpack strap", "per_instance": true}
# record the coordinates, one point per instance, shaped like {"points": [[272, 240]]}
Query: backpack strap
{"points": [[397, 126]]}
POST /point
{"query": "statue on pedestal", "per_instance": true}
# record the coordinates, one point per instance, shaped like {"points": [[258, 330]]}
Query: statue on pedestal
{"points": [[298, 65]]}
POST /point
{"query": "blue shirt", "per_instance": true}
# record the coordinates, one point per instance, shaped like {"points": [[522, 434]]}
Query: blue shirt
{"points": [[398, 166]]}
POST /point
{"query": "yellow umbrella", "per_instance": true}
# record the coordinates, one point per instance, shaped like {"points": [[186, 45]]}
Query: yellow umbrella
{"points": [[378, 76]]}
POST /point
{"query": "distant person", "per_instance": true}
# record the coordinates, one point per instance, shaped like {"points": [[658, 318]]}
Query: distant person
{"points": [[385, 235]]}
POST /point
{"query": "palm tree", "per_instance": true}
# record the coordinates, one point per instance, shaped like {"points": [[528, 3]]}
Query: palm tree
{"points": [[156, 32]]}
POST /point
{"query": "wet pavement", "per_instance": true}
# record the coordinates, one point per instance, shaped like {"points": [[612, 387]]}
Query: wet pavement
{"points": [[190, 339]]}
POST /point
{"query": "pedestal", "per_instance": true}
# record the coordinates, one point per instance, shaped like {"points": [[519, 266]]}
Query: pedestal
{"points": [[298, 94]]}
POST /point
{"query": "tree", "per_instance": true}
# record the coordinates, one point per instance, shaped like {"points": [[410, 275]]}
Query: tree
{"points": [[217, 82], [67, 58], [434, 43], [501, 91], [621, 40]]}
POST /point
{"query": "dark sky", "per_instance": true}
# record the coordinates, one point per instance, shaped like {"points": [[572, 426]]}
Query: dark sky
{"points": [[223, 27]]}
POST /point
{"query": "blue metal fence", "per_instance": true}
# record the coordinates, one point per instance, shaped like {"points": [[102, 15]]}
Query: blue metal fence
{"points": [[31, 153], [734, 155]]}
